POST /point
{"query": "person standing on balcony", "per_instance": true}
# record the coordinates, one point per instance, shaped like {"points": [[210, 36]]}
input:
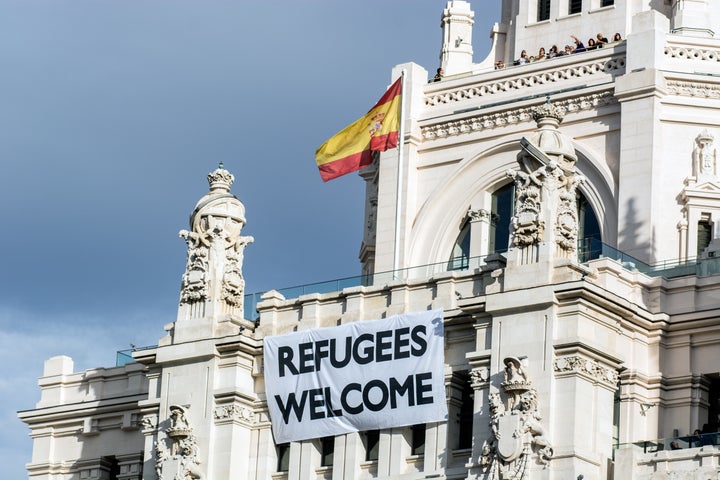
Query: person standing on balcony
{"points": [[579, 47]]}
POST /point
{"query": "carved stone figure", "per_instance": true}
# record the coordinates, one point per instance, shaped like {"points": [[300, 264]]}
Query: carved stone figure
{"points": [[517, 431], [176, 455]]}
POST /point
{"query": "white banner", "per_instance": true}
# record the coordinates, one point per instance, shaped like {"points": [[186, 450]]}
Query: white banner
{"points": [[365, 375]]}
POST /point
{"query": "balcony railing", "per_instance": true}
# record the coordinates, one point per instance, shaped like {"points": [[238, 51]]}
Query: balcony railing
{"points": [[588, 249], [674, 443]]}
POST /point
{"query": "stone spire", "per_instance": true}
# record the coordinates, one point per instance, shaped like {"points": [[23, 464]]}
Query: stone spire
{"points": [[212, 285], [545, 224], [457, 52]]}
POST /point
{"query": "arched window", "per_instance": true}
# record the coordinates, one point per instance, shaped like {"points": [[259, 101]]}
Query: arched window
{"points": [[502, 211], [503, 208], [460, 257]]}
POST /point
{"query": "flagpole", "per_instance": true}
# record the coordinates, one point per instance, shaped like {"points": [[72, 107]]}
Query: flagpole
{"points": [[398, 199]]}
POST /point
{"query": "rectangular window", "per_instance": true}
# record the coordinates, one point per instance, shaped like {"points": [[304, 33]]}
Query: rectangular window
{"points": [[543, 10], [372, 445], [607, 3], [418, 440], [575, 6], [283, 457], [327, 451], [465, 417]]}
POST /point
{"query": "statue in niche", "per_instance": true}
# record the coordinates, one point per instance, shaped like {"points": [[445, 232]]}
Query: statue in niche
{"points": [[176, 455], [705, 156], [517, 431]]}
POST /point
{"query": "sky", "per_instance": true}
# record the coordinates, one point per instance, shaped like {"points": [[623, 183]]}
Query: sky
{"points": [[113, 112]]}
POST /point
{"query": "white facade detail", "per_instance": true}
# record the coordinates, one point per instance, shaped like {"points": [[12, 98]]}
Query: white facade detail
{"points": [[565, 216]]}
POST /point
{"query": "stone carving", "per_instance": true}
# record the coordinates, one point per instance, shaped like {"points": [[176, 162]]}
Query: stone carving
{"points": [[527, 226], [705, 157], [480, 215], [479, 377], [589, 368], [546, 186], [683, 53], [215, 247], [566, 227], [483, 122], [693, 89], [229, 412], [517, 431], [233, 286], [194, 280], [176, 455], [147, 423], [614, 65]]}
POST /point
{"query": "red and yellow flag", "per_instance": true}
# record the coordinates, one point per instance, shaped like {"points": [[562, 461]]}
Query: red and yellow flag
{"points": [[351, 148]]}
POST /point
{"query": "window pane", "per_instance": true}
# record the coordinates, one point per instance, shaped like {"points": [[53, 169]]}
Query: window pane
{"points": [[283, 454], [327, 446], [575, 6], [503, 205], [543, 10], [607, 3], [372, 445], [418, 440]]}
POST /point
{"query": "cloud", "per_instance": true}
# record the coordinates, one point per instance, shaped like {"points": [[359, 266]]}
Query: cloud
{"points": [[28, 339]]}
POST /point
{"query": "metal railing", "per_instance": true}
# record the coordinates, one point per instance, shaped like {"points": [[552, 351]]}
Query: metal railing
{"points": [[673, 443], [588, 249]]}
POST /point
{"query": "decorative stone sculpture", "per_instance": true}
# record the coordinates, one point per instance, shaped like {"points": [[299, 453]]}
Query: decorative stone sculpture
{"points": [[546, 186], [216, 248], [705, 157], [176, 455], [517, 432]]}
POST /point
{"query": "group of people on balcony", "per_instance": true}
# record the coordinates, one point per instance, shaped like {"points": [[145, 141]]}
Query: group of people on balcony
{"points": [[598, 42]]}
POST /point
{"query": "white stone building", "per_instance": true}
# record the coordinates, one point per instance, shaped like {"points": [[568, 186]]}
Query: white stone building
{"points": [[590, 349]]}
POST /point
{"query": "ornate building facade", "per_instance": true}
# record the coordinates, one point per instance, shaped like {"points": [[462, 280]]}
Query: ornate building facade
{"points": [[564, 213]]}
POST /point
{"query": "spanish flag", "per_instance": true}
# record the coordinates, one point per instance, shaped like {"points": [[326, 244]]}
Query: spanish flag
{"points": [[351, 148]]}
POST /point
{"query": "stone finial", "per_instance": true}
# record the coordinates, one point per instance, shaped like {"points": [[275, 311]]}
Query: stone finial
{"points": [[213, 285], [547, 112], [549, 138], [220, 179]]}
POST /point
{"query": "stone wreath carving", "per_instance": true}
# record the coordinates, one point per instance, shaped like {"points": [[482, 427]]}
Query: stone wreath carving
{"points": [[176, 455], [517, 431]]}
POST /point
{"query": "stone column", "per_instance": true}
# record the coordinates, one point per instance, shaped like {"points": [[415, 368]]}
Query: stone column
{"points": [[480, 383]]}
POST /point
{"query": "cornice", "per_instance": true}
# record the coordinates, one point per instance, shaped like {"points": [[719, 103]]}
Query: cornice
{"points": [[517, 84], [513, 116]]}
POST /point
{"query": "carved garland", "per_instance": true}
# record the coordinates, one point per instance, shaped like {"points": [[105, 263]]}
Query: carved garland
{"points": [[591, 369], [483, 122], [226, 413], [693, 89], [541, 78]]}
